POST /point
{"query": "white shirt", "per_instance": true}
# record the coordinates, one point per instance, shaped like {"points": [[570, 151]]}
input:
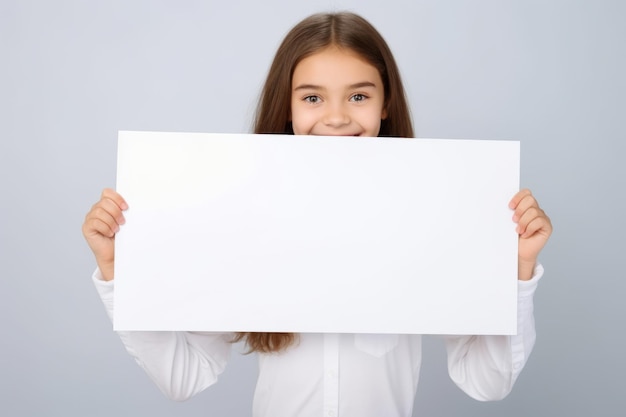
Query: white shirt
{"points": [[335, 375]]}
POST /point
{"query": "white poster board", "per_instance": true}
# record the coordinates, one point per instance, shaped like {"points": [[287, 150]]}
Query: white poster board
{"points": [[279, 233]]}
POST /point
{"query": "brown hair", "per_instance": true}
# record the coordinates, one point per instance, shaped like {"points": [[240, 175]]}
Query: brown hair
{"points": [[317, 32]]}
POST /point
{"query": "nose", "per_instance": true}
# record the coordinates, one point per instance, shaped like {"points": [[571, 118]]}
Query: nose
{"points": [[336, 116]]}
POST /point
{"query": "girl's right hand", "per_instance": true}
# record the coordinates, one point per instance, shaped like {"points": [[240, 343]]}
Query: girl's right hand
{"points": [[101, 224]]}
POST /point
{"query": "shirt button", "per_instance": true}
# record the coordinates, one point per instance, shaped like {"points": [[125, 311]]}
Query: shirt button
{"points": [[330, 413]]}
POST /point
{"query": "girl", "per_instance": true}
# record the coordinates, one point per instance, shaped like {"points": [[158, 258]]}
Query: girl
{"points": [[332, 75]]}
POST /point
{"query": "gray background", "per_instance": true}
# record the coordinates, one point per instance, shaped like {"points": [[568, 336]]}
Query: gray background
{"points": [[548, 73]]}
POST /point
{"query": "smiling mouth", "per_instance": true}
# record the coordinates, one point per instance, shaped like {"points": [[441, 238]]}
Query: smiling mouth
{"points": [[344, 135]]}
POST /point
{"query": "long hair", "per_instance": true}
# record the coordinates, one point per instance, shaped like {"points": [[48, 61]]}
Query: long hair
{"points": [[313, 34]]}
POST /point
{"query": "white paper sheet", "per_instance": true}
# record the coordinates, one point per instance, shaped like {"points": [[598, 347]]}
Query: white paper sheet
{"points": [[278, 233]]}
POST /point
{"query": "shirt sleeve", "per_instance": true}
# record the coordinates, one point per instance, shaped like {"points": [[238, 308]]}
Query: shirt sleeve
{"points": [[181, 364], [486, 367]]}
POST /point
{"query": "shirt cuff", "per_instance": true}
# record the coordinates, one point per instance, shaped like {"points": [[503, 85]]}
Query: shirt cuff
{"points": [[527, 288], [105, 290]]}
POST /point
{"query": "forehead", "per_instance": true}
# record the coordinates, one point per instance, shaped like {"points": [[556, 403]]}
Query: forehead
{"points": [[335, 66]]}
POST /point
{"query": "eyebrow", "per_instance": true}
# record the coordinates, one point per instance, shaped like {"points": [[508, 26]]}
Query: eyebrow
{"points": [[361, 84]]}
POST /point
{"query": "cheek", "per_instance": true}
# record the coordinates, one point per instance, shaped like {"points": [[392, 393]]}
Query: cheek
{"points": [[296, 129], [300, 121], [375, 116], [374, 120]]}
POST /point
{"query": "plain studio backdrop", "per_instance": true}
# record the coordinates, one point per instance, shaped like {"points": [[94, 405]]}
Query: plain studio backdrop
{"points": [[547, 73]]}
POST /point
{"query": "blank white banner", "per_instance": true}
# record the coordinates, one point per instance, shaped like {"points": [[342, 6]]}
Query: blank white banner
{"points": [[279, 233]]}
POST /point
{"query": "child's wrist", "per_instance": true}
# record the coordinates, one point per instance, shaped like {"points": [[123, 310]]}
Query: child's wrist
{"points": [[525, 269], [106, 270]]}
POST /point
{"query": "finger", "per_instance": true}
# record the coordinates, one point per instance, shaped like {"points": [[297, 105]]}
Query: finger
{"points": [[99, 216], [523, 206], [113, 209], [518, 197], [527, 217], [539, 224], [95, 226], [109, 193]]}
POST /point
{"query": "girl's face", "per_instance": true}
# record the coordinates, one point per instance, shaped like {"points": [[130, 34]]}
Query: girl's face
{"points": [[336, 93]]}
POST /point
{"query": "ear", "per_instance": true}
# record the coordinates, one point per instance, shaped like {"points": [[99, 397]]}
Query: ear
{"points": [[383, 114]]}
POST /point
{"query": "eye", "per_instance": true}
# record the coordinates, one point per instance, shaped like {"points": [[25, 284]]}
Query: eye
{"points": [[358, 97], [312, 99]]}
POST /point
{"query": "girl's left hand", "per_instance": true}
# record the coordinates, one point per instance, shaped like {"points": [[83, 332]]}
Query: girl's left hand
{"points": [[534, 229]]}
